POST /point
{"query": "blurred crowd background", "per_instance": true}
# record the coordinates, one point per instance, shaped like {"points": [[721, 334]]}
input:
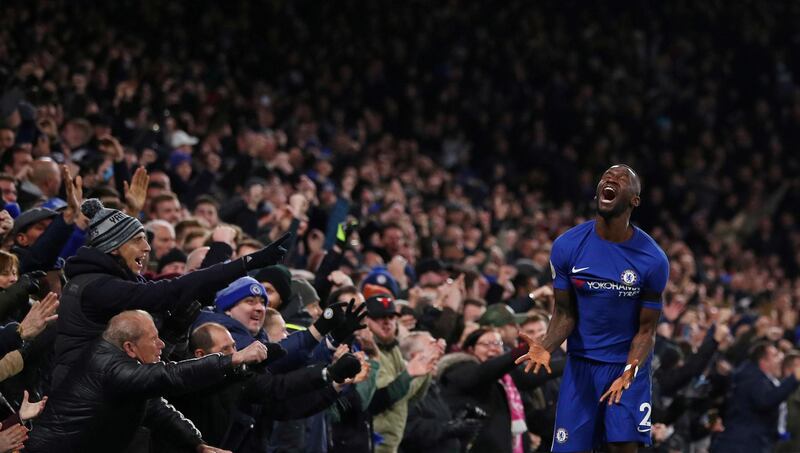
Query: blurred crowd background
{"points": [[455, 141]]}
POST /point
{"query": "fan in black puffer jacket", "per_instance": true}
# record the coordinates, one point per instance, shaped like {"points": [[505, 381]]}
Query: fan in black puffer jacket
{"points": [[117, 386]]}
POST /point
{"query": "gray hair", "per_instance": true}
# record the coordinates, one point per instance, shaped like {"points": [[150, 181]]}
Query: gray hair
{"points": [[410, 344], [153, 224], [125, 326]]}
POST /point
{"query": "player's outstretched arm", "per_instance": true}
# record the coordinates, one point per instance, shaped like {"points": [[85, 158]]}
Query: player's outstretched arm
{"points": [[565, 314], [641, 346]]}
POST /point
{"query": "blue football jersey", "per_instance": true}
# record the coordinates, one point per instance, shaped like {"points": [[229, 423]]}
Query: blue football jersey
{"points": [[608, 280]]}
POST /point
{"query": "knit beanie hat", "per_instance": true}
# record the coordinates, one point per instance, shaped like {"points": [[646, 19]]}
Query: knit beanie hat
{"points": [[280, 278], [238, 290], [108, 228], [304, 291]]}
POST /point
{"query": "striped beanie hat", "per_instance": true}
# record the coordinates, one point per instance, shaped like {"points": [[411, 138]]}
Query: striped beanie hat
{"points": [[108, 228]]}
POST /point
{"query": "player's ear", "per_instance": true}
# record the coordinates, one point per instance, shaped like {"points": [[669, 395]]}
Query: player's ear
{"points": [[635, 201]]}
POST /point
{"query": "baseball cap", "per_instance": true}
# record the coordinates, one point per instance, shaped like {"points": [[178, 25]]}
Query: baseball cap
{"points": [[498, 315], [381, 306], [30, 217]]}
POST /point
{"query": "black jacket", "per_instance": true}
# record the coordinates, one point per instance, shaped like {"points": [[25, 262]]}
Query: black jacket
{"points": [[427, 420], [751, 417], [216, 410], [101, 287], [466, 381], [107, 395]]}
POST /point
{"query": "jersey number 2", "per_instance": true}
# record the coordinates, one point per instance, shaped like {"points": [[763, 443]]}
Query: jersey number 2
{"points": [[645, 407]]}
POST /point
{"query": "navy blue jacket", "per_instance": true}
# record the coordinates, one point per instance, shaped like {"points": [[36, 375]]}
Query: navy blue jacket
{"points": [[751, 417]]}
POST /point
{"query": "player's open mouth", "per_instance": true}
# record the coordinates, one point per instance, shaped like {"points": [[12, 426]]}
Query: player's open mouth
{"points": [[608, 194], [139, 261]]}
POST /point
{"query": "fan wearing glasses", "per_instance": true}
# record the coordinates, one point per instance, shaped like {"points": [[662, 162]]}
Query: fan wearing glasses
{"points": [[485, 375]]}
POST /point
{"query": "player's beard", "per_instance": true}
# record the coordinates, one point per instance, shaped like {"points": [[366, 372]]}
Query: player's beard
{"points": [[616, 210]]}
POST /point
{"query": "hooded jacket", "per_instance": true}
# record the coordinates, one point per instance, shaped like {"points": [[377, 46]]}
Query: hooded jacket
{"points": [[100, 287]]}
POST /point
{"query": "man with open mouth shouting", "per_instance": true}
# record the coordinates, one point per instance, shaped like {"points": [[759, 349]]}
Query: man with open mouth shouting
{"points": [[608, 276], [105, 279]]}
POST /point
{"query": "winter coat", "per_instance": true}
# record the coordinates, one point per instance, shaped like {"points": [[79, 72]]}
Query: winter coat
{"points": [[108, 394], [100, 287], [390, 402], [425, 428], [350, 419], [468, 382]]}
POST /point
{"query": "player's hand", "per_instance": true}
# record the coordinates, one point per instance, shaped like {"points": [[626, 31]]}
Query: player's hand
{"points": [[614, 393], [537, 354]]}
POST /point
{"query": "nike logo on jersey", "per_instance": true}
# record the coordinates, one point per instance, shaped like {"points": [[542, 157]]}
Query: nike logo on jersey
{"points": [[575, 271], [642, 430]]}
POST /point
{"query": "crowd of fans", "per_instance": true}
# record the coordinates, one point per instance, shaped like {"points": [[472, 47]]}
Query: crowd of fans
{"points": [[342, 213]]}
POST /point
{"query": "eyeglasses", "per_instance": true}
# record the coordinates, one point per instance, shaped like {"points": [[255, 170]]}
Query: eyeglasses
{"points": [[489, 344]]}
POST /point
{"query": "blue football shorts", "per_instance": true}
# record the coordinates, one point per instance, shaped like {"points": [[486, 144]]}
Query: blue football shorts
{"points": [[584, 423]]}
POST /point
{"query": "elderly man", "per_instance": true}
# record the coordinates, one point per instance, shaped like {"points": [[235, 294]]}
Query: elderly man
{"points": [[105, 279], [117, 386], [163, 240]]}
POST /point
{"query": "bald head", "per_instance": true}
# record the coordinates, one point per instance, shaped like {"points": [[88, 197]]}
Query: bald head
{"points": [[195, 259], [129, 325], [210, 338], [46, 175], [636, 183]]}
